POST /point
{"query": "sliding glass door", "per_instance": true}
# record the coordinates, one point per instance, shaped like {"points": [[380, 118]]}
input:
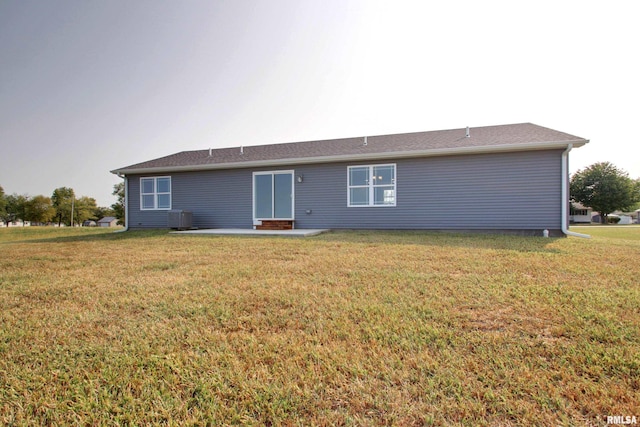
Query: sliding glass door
{"points": [[273, 195]]}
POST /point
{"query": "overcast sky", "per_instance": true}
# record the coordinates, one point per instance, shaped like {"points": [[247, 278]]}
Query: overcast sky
{"points": [[89, 86]]}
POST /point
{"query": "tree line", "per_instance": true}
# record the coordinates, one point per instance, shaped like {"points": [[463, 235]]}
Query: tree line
{"points": [[62, 208]]}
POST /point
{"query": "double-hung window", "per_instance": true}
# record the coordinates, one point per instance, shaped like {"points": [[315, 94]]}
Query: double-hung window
{"points": [[373, 185], [155, 193]]}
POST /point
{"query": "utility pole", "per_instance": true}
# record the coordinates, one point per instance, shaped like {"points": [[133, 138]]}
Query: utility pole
{"points": [[73, 200]]}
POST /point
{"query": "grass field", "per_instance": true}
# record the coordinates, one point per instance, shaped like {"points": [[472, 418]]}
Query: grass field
{"points": [[346, 328]]}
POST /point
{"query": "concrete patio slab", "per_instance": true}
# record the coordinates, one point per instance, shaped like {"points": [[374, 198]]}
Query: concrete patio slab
{"points": [[251, 232]]}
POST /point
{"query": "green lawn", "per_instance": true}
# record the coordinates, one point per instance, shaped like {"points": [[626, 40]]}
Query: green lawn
{"points": [[623, 232], [346, 328]]}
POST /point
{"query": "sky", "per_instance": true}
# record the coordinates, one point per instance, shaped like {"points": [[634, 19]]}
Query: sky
{"points": [[88, 86]]}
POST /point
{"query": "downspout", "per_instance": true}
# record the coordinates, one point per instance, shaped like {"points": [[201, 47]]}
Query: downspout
{"points": [[565, 194]]}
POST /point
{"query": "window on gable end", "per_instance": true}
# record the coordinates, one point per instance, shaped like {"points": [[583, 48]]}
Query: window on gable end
{"points": [[155, 193]]}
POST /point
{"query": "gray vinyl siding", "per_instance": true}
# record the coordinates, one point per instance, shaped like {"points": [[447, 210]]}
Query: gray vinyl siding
{"points": [[217, 199], [501, 191], [491, 191]]}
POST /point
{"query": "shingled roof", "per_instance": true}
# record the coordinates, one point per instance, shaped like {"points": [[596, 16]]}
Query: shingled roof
{"points": [[515, 137]]}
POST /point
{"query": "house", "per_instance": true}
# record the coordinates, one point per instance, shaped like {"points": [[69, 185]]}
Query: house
{"points": [[580, 214], [625, 219], [514, 176], [15, 223], [617, 217], [108, 221]]}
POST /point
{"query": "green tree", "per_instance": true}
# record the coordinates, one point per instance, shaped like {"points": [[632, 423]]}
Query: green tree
{"points": [[604, 188], [15, 208], [39, 209], [63, 199], [118, 207], [84, 209]]}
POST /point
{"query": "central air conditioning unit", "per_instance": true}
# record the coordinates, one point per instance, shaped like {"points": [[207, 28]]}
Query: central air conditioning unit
{"points": [[180, 219]]}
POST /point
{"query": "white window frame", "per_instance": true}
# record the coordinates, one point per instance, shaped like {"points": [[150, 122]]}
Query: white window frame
{"points": [[371, 186], [258, 220], [155, 193]]}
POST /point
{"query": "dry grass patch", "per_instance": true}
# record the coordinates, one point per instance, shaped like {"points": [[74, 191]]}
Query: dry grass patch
{"points": [[352, 328]]}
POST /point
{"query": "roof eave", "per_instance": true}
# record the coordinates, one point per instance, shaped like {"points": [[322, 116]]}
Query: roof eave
{"points": [[534, 146]]}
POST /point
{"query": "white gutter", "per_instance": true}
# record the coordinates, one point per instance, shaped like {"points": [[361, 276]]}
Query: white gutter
{"points": [[565, 194]]}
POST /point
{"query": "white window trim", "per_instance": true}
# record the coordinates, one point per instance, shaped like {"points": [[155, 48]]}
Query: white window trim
{"points": [[372, 186], [256, 220], [155, 193]]}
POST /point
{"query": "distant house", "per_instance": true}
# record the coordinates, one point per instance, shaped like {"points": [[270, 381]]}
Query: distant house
{"points": [[16, 223], [422, 180], [617, 217], [108, 221], [625, 219], [580, 213], [89, 223]]}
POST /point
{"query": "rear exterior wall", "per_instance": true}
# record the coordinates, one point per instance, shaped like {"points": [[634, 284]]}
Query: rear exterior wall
{"points": [[499, 191]]}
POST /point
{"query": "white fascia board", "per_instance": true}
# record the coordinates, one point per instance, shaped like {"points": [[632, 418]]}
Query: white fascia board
{"points": [[535, 146]]}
